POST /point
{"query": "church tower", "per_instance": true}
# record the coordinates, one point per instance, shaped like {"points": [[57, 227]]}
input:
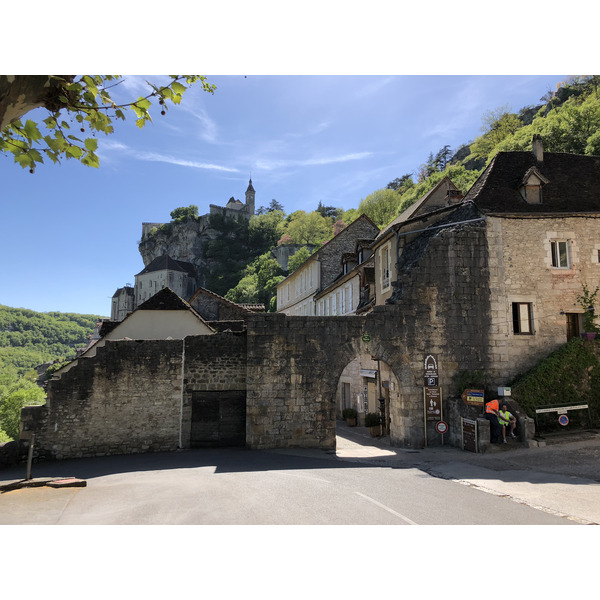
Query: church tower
{"points": [[250, 197]]}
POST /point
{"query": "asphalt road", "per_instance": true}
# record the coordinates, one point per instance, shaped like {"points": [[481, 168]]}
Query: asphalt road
{"points": [[239, 487]]}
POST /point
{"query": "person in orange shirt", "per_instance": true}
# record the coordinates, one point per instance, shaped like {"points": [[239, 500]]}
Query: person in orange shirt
{"points": [[491, 414]]}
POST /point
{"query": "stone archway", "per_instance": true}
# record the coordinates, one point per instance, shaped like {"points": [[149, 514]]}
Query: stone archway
{"points": [[362, 384]]}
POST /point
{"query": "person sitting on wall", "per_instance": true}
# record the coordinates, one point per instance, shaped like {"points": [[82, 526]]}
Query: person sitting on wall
{"points": [[505, 418], [491, 414]]}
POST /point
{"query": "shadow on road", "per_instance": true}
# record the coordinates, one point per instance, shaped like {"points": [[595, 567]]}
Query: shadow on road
{"points": [[355, 449]]}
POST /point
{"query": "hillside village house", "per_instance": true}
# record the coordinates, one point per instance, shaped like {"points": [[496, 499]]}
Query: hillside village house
{"points": [[387, 246], [296, 293], [485, 283]]}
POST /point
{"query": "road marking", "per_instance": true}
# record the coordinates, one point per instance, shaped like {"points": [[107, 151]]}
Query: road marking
{"points": [[397, 514]]}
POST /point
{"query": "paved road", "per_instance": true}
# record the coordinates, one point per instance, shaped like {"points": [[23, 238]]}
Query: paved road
{"points": [[360, 484]]}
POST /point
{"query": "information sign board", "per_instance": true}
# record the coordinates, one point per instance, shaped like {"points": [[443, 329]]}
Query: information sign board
{"points": [[433, 404], [473, 397], [469, 435]]}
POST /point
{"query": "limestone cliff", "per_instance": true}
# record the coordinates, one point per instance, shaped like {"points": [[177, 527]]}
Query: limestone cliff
{"points": [[182, 240]]}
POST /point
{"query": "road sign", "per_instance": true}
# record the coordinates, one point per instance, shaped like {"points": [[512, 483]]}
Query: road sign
{"points": [[473, 397], [433, 404], [366, 337], [430, 366], [431, 382], [441, 427], [563, 420]]}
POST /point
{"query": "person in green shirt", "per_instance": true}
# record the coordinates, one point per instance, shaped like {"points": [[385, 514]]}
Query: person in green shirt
{"points": [[506, 418]]}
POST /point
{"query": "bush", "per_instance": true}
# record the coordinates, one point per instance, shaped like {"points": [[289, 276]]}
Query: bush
{"points": [[372, 420], [349, 413]]}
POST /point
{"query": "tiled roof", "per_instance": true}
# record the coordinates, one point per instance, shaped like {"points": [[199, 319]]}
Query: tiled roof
{"points": [[573, 184], [165, 299], [127, 289], [166, 263], [249, 307]]}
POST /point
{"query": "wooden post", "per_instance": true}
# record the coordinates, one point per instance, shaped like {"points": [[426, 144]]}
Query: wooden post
{"points": [[30, 457]]}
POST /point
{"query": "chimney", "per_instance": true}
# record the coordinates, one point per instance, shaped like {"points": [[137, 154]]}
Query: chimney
{"points": [[454, 196], [537, 148]]}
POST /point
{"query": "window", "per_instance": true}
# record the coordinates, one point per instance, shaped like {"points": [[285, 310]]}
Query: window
{"points": [[385, 267], [560, 255], [522, 313]]}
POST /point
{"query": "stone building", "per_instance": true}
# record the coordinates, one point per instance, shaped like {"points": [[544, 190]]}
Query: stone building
{"points": [[489, 284], [235, 208], [123, 302], [163, 272], [296, 293]]}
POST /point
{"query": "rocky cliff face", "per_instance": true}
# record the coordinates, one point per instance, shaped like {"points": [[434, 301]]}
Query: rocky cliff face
{"points": [[181, 240]]}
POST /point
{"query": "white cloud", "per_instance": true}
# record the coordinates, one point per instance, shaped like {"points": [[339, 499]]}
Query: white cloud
{"points": [[155, 157], [269, 165]]}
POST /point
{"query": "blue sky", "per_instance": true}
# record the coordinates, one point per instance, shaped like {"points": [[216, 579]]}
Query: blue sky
{"points": [[327, 108], [71, 232]]}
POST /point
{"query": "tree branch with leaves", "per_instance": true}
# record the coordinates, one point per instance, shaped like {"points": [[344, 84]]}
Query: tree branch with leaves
{"points": [[79, 107]]}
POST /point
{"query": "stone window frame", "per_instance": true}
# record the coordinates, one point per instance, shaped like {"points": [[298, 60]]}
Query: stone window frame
{"points": [[555, 237], [385, 277], [557, 255], [516, 316]]}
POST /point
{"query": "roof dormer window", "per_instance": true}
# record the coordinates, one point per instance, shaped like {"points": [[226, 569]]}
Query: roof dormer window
{"points": [[531, 186]]}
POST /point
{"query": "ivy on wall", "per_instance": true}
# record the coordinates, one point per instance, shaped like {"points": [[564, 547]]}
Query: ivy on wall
{"points": [[570, 375]]}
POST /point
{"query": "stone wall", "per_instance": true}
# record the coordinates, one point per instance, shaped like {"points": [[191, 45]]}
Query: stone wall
{"points": [[135, 396], [521, 271], [212, 363], [124, 400]]}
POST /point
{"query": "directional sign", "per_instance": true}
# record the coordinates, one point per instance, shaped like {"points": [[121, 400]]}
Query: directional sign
{"points": [[473, 397]]}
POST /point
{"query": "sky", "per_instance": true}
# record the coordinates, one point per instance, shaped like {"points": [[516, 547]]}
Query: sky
{"points": [[330, 121]]}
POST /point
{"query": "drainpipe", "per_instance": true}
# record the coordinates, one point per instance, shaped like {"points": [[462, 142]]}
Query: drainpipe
{"points": [[182, 393]]}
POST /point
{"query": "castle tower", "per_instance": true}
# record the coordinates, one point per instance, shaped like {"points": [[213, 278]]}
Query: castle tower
{"points": [[250, 197]]}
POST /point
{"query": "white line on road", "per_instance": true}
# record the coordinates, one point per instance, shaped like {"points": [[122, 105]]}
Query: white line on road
{"points": [[387, 508]]}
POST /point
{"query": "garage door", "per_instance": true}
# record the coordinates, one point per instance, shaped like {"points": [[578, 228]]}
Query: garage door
{"points": [[218, 419]]}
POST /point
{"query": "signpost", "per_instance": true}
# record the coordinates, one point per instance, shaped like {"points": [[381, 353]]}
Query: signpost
{"points": [[433, 404], [430, 367], [469, 435], [432, 396]]}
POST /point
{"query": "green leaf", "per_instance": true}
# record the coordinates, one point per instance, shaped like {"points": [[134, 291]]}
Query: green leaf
{"points": [[32, 131], [143, 103], [74, 152], [178, 88], [35, 155], [91, 144], [24, 160]]}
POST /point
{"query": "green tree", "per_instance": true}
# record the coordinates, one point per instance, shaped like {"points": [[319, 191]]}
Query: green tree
{"points": [[259, 282], [381, 206], [497, 125], [309, 228], [23, 393], [401, 184], [179, 214], [266, 229], [83, 102], [298, 259]]}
